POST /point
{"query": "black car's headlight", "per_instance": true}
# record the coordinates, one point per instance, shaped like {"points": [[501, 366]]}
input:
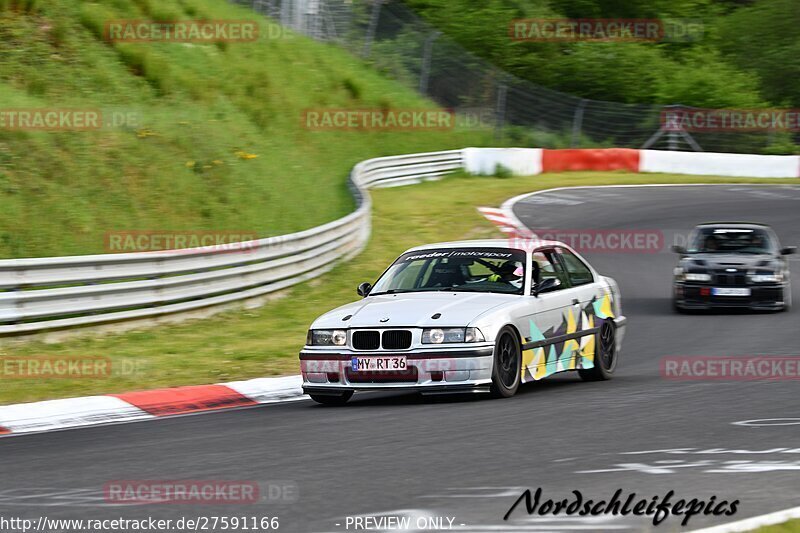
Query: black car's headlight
{"points": [[451, 335], [696, 276], [326, 337], [682, 275], [767, 277]]}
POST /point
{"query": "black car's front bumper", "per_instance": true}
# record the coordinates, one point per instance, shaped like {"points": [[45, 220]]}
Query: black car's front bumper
{"points": [[767, 297]]}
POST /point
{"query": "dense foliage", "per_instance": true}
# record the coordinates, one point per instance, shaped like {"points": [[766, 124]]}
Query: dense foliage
{"points": [[747, 56]]}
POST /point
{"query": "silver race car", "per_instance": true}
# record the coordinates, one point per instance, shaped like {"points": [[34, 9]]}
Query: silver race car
{"points": [[479, 316]]}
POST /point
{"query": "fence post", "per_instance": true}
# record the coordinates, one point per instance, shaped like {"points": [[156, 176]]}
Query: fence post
{"points": [[577, 122], [426, 62], [500, 109], [372, 28], [286, 13]]}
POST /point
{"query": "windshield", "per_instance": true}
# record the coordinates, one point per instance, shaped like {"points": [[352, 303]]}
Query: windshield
{"points": [[495, 270], [731, 240]]}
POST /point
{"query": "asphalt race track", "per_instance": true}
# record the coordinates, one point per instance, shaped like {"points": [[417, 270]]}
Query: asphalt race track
{"points": [[470, 458]]}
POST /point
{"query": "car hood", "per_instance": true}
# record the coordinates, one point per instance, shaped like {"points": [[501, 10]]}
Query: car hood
{"points": [[739, 262], [413, 310]]}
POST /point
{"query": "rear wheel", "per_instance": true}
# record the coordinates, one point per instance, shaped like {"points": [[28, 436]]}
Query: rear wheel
{"points": [[332, 399], [605, 358], [507, 364]]}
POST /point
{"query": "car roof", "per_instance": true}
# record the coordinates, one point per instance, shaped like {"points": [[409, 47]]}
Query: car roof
{"points": [[522, 244], [746, 225]]}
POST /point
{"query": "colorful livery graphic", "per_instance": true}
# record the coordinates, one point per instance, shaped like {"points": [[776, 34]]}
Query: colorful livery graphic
{"points": [[572, 346]]}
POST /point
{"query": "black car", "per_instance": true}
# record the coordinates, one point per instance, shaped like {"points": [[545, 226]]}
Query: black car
{"points": [[732, 264]]}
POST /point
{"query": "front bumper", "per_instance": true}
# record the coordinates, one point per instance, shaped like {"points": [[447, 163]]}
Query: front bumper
{"points": [[429, 370], [697, 296]]}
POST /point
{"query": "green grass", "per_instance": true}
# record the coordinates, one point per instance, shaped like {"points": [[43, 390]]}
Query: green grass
{"points": [[792, 526], [199, 110], [265, 341]]}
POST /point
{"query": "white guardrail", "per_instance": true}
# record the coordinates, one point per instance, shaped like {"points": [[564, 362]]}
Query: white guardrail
{"points": [[62, 292]]}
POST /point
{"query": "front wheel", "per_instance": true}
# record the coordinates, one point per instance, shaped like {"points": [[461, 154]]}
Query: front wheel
{"points": [[507, 364], [605, 358], [332, 399]]}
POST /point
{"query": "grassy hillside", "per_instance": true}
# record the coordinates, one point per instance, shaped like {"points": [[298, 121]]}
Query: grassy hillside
{"points": [[217, 140]]}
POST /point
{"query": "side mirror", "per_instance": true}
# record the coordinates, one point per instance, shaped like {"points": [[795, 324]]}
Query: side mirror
{"points": [[789, 250], [364, 288], [678, 249], [548, 285]]}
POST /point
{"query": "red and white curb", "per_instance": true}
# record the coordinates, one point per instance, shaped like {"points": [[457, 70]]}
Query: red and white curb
{"points": [[506, 221], [144, 405]]}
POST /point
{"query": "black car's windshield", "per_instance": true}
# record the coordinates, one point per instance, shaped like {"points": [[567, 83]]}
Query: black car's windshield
{"points": [[721, 240], [495, 270]]}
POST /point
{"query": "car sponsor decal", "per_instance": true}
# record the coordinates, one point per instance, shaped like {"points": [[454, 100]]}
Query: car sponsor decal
{"points": [[482, 254]]}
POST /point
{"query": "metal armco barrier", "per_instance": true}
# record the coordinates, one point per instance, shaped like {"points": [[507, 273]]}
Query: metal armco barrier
{"points": [[62, 292]]}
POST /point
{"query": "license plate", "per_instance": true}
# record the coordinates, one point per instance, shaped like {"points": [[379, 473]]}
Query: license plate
{"points": [[384, 363], [727, 291]]}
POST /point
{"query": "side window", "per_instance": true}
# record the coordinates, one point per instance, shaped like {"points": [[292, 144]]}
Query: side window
{"points": [[578, 272], [548, 268]]}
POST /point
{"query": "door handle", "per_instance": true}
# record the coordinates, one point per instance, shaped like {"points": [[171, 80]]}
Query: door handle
{"points": [[575, 301]]}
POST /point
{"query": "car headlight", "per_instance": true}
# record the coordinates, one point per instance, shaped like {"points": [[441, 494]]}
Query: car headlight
{"points": [[326, 337], [773, 277], [694, 276], [451, 335]]}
